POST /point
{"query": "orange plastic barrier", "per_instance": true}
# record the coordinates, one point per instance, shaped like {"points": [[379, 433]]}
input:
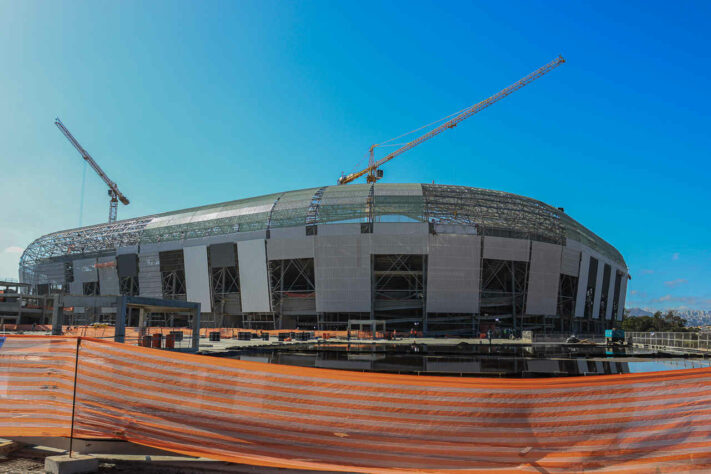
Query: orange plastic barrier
{"points": [[305, 418], [107, 332]]}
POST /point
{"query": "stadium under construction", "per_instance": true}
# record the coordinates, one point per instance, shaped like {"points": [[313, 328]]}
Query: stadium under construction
{"points": [[437, 259], [424, 258]]}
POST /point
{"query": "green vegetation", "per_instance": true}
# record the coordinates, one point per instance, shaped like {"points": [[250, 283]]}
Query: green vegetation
{"points": [[659, 322]]}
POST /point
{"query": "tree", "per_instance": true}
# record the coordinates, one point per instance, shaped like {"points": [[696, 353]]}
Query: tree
{"points": [[669, 322]]}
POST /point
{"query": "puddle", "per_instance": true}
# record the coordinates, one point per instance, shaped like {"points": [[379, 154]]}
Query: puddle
{"points": [[470, 360]]}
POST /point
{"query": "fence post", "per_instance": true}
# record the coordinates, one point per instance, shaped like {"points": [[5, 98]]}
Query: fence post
{"points": [[74, 396]]}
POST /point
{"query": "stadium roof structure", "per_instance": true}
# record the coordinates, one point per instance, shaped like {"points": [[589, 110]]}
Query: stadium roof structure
{"points": [[490, 212]]}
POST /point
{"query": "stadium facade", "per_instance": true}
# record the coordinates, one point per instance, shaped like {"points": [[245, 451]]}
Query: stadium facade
{"points": [[435, 258]]}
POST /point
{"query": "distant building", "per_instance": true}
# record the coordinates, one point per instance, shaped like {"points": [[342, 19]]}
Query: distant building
{"points": [[435, 258]]}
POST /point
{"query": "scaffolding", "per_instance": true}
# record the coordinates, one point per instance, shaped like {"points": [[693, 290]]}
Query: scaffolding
{"points": [[503, 292], [399, 290], [293, 291]]}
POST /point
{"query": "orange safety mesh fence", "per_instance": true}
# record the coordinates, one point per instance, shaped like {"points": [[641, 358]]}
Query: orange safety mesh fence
{"points": [[307, 418]]}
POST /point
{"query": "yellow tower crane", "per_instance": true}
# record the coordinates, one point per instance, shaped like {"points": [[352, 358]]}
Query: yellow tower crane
{"points": [[374, 173], [114, 194]]}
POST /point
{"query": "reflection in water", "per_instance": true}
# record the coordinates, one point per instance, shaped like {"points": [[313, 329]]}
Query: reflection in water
{"points": [[468, 359]]}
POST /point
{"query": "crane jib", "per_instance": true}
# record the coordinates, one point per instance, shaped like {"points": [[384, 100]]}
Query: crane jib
{"points": [[453, 122], [114, 192]]}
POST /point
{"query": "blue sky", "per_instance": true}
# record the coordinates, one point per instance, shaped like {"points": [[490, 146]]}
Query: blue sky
{"points": [[190, 103]]}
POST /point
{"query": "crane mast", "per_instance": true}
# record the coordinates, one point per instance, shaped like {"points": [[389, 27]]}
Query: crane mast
{"points": [[114, 194], [374, 174]]}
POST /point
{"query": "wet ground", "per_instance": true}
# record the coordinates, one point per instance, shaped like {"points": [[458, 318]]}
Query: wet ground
{"points": [[464, 359]]}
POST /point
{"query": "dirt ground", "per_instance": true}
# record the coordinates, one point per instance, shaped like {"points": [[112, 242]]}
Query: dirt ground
{"points": [[29, 460]]}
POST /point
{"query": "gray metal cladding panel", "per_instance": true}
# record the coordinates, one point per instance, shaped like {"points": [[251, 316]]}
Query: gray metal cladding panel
{"points": [[127, 265], [108, 277], [570, 262], [149, 277], [282, 249], [222, 255], [598, 289], [582, 285], [391, 244], [453, 367], [338, 229], [610, 293], [397, 189], [288, 232], [197, 279], [342, 267], [623, 297], [453, 269], [162, 246], [455, 229], [76, 288], [131, 249], [505, 248], [254, 281], [50, 273], [543, 366], [543, 279], [401, 228], [85, 270]]}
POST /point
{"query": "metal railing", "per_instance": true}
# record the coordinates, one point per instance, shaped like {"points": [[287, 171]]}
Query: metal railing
{"points": [[681, 340], [560, 337]]}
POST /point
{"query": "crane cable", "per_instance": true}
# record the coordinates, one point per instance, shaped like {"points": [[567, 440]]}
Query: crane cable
{"points": [[387, 143]]}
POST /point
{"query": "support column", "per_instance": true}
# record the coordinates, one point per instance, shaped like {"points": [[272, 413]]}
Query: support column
{"points": [[57, 313], [196, 327], [513, 298], [141, 324], [120, 326], [19, 310]]}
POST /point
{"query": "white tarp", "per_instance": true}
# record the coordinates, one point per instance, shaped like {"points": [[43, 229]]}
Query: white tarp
{"points": [[197, 279]]}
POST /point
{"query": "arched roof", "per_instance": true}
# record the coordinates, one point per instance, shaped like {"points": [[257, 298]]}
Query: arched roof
{"points": [[491, 212]]}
